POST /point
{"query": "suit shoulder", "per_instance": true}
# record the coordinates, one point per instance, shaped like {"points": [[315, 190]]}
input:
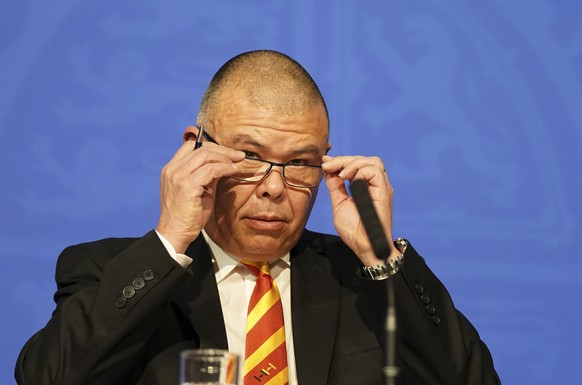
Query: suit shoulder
{"points": [[315, 239], [99, 251], [331, 245], [105, 244]]}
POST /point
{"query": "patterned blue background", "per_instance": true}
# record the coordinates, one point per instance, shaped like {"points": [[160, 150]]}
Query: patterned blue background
{"points": [[475, 107]]}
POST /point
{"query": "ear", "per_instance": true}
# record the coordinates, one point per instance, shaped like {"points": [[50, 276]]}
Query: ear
{"points": [[327, 148], [190, 133]]}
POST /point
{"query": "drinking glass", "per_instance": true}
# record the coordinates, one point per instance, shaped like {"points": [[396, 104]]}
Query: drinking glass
{"points": [[208, 367]]}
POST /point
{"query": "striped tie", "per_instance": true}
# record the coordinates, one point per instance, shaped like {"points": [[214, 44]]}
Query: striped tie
{"points": [[266, 354]]}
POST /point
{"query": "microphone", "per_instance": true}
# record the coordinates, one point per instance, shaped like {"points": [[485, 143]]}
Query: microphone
{"points": [[375, 232], [370, 219]]}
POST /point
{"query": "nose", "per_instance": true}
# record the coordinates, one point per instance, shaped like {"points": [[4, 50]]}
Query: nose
{"points": [[273, 186]]}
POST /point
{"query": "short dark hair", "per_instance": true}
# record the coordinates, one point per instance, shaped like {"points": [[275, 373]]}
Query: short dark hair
{"points": [[269, 79]]}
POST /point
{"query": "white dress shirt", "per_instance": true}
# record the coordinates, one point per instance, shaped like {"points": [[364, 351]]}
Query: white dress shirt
{"points": [[235, 286]]}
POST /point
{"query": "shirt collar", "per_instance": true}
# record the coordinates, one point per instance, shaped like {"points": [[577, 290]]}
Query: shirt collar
{"points": [[225, 263]]}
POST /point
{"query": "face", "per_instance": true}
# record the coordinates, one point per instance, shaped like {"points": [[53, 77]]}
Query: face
{"points": [[264, 220]]}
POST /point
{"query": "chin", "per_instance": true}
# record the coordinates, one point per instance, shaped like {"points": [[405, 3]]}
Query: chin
{"points": [[262, 245]]}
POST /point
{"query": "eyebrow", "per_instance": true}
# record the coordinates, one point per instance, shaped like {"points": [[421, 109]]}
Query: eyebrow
{"points": [[247, 139], [310, 149]]}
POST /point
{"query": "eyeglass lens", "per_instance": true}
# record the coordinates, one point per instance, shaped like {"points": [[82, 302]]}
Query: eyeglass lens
{"points": [[252, 170]]}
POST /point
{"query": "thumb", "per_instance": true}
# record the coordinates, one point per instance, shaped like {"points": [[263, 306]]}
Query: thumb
{"points": [[337, 189]]}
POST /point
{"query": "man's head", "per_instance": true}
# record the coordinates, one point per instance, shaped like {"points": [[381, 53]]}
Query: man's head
{"points": [[269, 79], [265, 104]]}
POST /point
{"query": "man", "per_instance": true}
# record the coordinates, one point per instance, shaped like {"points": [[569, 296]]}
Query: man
{"points": [[233, 197]]}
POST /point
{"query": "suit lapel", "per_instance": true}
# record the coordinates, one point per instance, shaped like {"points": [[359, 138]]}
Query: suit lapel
{"points": [[315, 306], [199, 301]]}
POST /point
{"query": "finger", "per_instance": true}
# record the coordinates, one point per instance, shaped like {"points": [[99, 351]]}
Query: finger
{"points": [[326, 158], [233, 154], [185, 149], [206, 177], [373, 174], [351, 167], [337, 189], [347, 167], [338, 163], [194, 160], [188, 149], [213, 154], [192, 183]]}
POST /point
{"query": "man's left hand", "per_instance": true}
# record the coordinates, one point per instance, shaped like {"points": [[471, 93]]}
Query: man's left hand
{"points": [[345, 213]]}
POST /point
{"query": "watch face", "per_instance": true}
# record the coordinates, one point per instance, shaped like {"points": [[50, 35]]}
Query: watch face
{"points": [[401, 244]]}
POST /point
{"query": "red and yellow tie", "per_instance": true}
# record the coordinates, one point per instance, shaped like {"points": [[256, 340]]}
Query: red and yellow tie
{"points": [[266, 354]]}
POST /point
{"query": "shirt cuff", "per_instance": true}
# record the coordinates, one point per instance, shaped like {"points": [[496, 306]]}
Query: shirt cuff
{"points": [[182, 259]]}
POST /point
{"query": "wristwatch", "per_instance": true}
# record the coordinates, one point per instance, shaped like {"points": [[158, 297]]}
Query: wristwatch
{"points": [[389, 267]]}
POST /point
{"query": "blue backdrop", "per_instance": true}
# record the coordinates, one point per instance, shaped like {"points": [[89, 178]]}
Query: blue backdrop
{"points": [[475, 107]]}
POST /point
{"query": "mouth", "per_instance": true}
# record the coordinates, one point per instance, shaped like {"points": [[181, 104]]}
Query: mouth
{"points": [[265, 223]]}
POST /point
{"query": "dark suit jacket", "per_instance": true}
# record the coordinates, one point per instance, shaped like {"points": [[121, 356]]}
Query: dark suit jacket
{"points": [[97, 336]]}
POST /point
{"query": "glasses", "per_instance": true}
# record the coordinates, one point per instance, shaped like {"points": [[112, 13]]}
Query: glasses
{"points": [[254, 170]]}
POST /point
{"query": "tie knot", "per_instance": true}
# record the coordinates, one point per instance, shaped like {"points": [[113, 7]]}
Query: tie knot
{"points": [[257, 266]]}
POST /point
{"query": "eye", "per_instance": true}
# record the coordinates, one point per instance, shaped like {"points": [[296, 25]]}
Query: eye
{"points": [[250, 155], [298, 162]]}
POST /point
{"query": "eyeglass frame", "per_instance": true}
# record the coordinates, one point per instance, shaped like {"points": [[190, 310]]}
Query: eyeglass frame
{"points": [[209, 138]]}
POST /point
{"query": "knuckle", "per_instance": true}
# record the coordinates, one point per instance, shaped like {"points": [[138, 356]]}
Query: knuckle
{"points": [[166, 171], [377, 160]]}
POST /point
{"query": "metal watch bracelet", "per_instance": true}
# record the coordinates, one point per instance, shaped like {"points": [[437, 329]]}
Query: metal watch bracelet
{"points": [[389, 267]]}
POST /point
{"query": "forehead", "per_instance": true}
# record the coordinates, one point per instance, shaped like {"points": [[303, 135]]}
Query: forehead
{"points": [[240, 121], [289, 144]]}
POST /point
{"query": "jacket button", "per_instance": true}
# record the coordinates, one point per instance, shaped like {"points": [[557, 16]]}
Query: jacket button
{"points": [[128, 291], [148, 275], [138, 283], [425, 299], [120, 302], [419, 288], [436, 319], [430, 308]]}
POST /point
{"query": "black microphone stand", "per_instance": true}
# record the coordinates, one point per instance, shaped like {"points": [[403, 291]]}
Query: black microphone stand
{"points": [[391, 369], [375, 231]]}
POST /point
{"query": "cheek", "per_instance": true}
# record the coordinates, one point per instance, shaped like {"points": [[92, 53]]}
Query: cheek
{"points": [[301, 203], [229, 198]]}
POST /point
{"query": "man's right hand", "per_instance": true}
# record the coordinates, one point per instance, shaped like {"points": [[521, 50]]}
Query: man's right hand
{"points": [[187, 190]]}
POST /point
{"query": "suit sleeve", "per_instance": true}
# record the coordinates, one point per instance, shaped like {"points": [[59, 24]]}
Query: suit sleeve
{"points": [[437, 344], [108, 297]]}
